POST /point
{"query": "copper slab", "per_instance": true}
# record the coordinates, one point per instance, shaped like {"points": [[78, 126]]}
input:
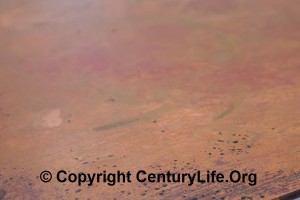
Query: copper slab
{"points": [[154, 85]]}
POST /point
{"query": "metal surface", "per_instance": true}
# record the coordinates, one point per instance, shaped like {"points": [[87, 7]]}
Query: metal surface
{"points": [[156, 85]]}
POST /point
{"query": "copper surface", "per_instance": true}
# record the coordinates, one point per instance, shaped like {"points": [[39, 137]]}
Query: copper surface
{"points": [[156, 85]]}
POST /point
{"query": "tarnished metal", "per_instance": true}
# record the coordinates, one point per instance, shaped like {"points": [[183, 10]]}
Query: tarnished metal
{"points": [[178, 85]]}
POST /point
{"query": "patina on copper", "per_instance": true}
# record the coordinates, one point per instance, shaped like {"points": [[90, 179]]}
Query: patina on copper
{"points": [[178, 85]]}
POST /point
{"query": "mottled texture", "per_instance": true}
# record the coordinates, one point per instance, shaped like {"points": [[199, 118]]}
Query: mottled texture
{"points": [[2, 194], [136, 84]]}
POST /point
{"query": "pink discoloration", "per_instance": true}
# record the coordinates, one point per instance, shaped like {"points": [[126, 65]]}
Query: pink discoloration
{"points": [[136, 84]]}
